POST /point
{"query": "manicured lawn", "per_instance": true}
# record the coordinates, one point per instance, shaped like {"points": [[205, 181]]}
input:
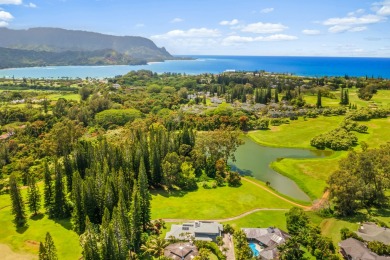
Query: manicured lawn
{"points": [[297, 133], [331, 227], [222, 202], [309, 174], [261, 219], [378, 132], [381, 98], [27, 240]]}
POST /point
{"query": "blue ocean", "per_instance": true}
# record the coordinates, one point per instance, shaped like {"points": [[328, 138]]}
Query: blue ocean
{"points": [[301, 66]]}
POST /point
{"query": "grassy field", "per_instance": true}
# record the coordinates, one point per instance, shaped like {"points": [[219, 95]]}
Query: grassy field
{"points": [[309, 174], [382, 98], [27, 240], [261, 219], [222, 202], [297, 133]]}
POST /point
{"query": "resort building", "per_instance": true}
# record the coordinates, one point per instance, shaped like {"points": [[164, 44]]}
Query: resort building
{"points": [[264, 241], [198, 230]]}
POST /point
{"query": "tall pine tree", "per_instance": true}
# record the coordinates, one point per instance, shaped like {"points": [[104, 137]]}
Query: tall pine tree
{"points": [[48, 190], [59, 205], [135, 219], [51, 250], [78, 214], [33, 196], [319, 101], [17, 202], [89, 242], [144, 196]]}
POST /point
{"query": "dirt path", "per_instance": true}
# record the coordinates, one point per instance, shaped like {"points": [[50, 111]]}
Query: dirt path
{"points": [[221, 219], [6, 253], [277, 195], [324, 199]]}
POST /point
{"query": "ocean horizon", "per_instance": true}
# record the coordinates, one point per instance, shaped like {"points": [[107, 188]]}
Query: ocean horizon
{"points": [[295, 65]]}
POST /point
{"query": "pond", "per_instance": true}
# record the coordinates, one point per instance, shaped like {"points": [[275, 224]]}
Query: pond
{"points": [[254, 160]]}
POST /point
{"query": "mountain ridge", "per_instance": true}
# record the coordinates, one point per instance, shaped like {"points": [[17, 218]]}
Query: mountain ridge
{"points": [[57, 40]]}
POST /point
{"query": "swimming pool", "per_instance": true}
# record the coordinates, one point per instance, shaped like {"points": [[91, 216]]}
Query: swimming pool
{"points": [[252, 245]]}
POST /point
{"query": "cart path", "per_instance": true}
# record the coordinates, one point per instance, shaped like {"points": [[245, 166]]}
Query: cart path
{"points": [[277, 195], [223, 219]]}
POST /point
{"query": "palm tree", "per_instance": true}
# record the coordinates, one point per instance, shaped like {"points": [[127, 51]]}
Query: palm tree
{"points": [[155, 246]]}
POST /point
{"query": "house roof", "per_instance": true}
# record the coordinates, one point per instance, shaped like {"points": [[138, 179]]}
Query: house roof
{"points": [[371, 232], [180, 251], [267, 236], [358, 250], [199, 229]]}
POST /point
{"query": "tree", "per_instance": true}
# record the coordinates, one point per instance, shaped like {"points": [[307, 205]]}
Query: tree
{"points": [[144, 196], [59, 204], [155, 246], [42, 252], [89, 242], [33, 196], [78, 214], [17, 202], [319, 101], [48, 250], [135, 219], [243, 251], [296, 220], [291, 250], [48, 189]]}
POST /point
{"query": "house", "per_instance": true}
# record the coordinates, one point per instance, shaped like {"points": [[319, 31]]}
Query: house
{"points": [[199, 230], [353, 249], [371, 232], [181, 251], [266, 240]]}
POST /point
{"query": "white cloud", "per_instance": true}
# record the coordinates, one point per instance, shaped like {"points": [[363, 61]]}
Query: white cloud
{"points": [[358, 11], [235, 39], [3, 24], [346, 28], [384, 10], [267, 10], [232, 22], [177, 20], [311, 32], [11, 2], [31, 5], [5, 16], [358, 29], [352, 20], [191, 33], [264, 27]]}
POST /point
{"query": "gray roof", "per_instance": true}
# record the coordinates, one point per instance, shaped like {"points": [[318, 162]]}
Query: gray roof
{"points": [[371, 232], [201, 230], [181, 251], [267, 236], [357, 250]]}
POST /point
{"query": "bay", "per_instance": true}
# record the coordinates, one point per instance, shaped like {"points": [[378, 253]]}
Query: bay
{"points": [[302, 66]]}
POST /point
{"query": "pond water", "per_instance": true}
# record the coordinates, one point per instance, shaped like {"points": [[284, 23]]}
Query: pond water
{"points": [[254, 160]]}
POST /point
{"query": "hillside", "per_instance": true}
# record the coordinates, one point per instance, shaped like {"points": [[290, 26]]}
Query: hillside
{"points": [[12, 58], [83, 48]]}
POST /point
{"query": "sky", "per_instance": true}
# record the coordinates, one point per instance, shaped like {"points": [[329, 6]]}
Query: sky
{"points": [[339, 28]]}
